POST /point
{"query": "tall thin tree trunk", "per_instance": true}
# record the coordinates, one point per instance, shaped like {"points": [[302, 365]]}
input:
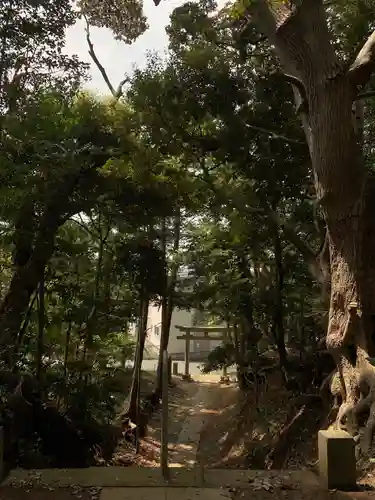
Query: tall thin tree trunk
{"points": [[87, 334], [26, 321], [243, 348], [174, 269], [141, 340], [41, 325], [278, 316], [167, 304], [124, 352], [238, 358], [246, 309], [66, 349]]}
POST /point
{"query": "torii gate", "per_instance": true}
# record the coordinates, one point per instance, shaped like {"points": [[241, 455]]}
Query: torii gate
{"points": [[202, 333]]}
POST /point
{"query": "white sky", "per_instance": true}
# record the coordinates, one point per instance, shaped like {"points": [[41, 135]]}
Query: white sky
{"points": [[118, 58]]}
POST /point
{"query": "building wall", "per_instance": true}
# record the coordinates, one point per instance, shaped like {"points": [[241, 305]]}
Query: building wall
{"points": [[180, 317]]}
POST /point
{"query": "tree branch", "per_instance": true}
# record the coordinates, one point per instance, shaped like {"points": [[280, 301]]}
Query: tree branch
{"points": [[273, 218], [275, 135], [301, 37], [297, 83], [301, 103], [119, 91], [365, 95], [360, 71]]}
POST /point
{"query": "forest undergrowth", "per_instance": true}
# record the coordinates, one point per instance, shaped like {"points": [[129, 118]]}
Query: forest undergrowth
{"points": [[280, 432], [248, 434]]}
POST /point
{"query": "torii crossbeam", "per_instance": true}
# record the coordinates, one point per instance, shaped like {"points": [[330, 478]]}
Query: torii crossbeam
{"points": [[201, 333]]}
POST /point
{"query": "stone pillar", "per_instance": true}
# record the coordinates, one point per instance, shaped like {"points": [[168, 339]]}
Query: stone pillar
{"points": [[337, 461]]}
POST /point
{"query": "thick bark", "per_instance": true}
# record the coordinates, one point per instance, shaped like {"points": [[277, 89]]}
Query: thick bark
{"points": [[327, 90]]}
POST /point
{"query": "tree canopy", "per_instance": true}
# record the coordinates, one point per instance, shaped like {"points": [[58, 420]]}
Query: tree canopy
{"points": [[232, 178]]}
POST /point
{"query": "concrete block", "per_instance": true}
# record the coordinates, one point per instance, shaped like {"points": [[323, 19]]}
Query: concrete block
{"points": [[164, 494], [337, 461], [133, 494]]}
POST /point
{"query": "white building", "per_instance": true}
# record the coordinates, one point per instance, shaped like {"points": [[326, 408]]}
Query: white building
{"points": [[180, 317]]}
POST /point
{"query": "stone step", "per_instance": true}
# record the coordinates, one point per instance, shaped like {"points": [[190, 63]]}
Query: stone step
{"points": [[137, 477], [164, 494]]}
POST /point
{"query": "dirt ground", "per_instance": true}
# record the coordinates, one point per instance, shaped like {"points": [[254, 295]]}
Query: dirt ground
{"points": [[180, 407], [296, 492], [26, 493], [235, 434], [240, 433], [302, 494]]}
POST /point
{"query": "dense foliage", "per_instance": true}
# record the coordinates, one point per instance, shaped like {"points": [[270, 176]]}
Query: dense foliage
{"points": [[192, 190]]}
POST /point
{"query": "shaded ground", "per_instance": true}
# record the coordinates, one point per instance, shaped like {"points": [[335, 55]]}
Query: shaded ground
{"points": [[299, 493], [240, 434], [181, 407], [217, 485], [235, 434], [26, 493], [221, 432], [254, 494]]}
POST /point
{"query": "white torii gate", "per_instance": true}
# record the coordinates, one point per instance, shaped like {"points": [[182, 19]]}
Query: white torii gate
{"points": [[202, 333]]}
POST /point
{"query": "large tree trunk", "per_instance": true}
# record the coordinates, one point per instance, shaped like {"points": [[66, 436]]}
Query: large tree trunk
{"points": [[325, 90], [31, 258]]}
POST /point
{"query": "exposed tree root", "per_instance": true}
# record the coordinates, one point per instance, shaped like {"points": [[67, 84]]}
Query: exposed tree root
{"points": [[359, 398], [348, 338]]}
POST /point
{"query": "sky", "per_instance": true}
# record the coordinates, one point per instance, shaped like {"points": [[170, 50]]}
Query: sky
{"points": [[118, 58]]}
